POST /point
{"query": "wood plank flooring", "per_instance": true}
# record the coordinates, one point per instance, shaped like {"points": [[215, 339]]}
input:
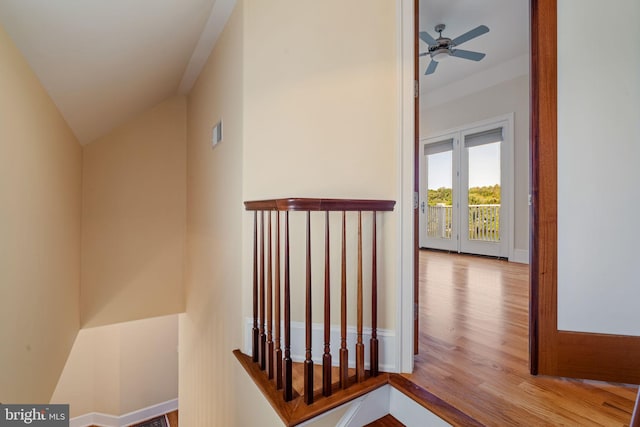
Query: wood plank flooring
{"points": [[386, 421], [474, 350]]}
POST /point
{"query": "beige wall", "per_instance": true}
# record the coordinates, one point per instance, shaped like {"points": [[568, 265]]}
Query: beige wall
{"points": [[211, 328], [308, 94], [321, 99], [40, 175], [506, 97], [117, 369], [321, 121], [133, 218]]}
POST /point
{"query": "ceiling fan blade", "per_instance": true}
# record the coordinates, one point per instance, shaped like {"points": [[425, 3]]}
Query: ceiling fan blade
{"points": [[467, 54], [425, 37], [431, 68], [424, 54], [472, 34]]}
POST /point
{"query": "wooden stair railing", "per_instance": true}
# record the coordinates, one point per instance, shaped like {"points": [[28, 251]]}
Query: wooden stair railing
{"points": [[270, 313]]}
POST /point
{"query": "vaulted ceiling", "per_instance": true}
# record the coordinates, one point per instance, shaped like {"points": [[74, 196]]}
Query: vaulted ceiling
{"points": [[103, 61]]}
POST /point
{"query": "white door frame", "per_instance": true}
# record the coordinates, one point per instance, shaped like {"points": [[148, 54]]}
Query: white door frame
{"points": [[405, 309], [505, 247], [406, 157], [507, 159], [442, 244]]}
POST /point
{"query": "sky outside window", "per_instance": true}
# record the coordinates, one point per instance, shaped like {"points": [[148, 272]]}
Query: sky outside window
{"points": [[484, 167]]}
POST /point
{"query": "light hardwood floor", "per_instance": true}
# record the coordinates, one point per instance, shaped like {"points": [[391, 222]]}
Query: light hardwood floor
{"points": [[474, 350]]}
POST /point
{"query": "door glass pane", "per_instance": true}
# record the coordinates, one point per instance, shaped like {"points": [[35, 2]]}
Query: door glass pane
{"points": [[440, 194], [484, 192]]}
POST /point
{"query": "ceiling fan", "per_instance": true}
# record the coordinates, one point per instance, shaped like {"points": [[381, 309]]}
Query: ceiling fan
{"points": [[444, 47]]}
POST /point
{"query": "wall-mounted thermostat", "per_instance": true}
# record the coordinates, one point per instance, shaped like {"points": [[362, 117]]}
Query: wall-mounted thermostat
{"points": [[216, 134]]}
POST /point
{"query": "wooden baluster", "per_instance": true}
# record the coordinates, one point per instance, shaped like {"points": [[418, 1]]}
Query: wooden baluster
{"points": [[326, 358], [256, 332], [308, 362], [288, 380], [344, 352], [373, 347], [359, 344], [269, 303], [263, 336], [278, 351]]}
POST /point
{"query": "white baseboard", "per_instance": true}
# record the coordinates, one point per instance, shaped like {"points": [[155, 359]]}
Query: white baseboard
{"points": [[520, 255], [106, 420], [380, 402], [386, 344], [410, 413], [367, 409]]}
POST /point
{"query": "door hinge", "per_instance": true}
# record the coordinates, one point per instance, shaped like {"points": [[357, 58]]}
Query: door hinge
{"points": [[415, 200], [416, 89]]}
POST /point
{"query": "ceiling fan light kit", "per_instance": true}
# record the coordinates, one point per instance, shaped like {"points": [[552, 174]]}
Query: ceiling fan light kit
{"points": [[440, 55], [442, 48]]}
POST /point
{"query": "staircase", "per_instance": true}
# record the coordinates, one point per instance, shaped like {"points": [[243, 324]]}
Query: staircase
{"points": [[271, 363]]}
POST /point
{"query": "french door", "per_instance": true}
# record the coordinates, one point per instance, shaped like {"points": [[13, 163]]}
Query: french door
{"points": [[464, 197]]}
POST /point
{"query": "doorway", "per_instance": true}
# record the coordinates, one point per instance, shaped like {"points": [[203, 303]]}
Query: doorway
{"points": [[465, 192], [474, 116]]}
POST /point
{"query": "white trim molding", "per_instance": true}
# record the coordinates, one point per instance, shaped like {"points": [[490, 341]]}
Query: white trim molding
{"points": [[386, 343], [410, 413], [406, 212], [520, 255], [106, 420], [220, 13], [508, 70], [380, 402], [507, 123]]}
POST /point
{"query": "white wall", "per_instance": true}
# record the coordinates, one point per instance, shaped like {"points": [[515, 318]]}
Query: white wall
{"points": [[505, 97], [121, 368], [598, 175]]}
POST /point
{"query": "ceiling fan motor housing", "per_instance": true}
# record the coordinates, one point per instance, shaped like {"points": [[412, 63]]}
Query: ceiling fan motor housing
{"points": [[443, 43]]}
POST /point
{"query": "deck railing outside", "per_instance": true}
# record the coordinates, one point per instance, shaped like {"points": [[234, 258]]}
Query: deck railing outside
{"points": [[272, 286], [484, 222]]}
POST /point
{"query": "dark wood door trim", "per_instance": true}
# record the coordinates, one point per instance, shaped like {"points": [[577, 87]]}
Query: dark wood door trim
{"points": [[554, 352], [543, 270], [416, 180]]}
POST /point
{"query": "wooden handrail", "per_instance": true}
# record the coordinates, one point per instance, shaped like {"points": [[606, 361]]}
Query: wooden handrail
{"points": [[270, 312], [307, 204]]}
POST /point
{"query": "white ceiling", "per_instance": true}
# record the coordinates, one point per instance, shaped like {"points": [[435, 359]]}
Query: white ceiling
{"points": [[103, 61], [507, 39]]}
